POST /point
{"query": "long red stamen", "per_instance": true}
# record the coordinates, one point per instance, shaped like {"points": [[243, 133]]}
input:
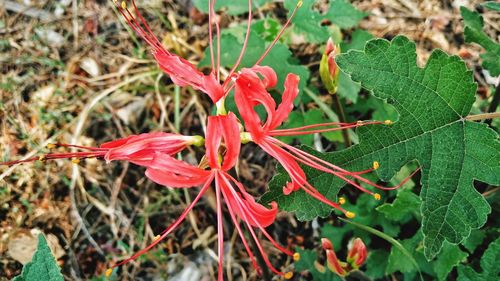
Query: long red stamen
{"points": [[262, 229], [250, 228], [173, 226], [266, 52], [149, 37], [341, 126], [245, 43], [305, 155], [53, 156], [242, 236], [293, 132], [220, 230]]}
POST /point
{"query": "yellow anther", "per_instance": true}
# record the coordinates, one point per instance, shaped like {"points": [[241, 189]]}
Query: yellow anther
{"points": [[108, 272], [289, 274], [156, 237], [51, 146], [299, 4], [115, 1], [124, 5], [75, 161], [341, 200], [359, 122], [376, 165], [350, 215], [41, 158], [296, 256], [388, 122], [376, 196]]}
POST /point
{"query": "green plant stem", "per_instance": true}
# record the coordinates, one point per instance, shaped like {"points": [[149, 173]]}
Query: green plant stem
{"points": [[340, 113], [177, 108], [389, 239]]}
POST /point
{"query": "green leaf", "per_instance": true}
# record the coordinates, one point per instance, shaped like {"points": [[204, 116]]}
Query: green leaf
{"points": [[448, 259], [473, 32], [308, 21], [495, 6], [451, 151], [489, 264], [404, 206], [475, 239], [43, 266], [232, 7], [344, 14], [377, 263]]}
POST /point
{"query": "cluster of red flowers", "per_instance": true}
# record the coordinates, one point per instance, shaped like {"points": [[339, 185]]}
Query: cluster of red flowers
{"points": [[223, 139]]}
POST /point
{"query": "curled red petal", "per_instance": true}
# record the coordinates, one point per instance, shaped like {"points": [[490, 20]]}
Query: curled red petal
{"points": [[269, 76], [286, 106]]}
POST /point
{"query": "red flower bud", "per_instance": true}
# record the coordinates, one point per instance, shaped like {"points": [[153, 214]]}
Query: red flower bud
{"points": [[328, 69], [357, 253]]}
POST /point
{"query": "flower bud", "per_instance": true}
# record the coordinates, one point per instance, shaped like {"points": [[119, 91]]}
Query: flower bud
{"points": [[328, 69], [356, 257], [331, 258], [357, 253]]}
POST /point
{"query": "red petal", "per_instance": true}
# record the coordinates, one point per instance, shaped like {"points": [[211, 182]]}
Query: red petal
{"points": [[286, 105], [184, 73], [140, 149], [269, 76], [291, 166], [166, 170], [222, 127]]}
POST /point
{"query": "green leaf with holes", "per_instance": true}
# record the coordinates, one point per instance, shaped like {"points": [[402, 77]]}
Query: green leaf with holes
{"points": [[43, 266], [451, 151], [473, 32]]}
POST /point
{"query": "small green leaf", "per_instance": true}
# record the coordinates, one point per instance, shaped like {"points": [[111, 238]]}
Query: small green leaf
{"points": [[475, 239], [489, 264], [344, 14], [232, 7], [308, 21], [376, 263], [450, 257], [404, 206], [43, 266], [495, 6], [473, 32]]}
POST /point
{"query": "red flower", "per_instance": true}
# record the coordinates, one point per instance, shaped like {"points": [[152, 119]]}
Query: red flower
{"points": [[180, 70], [251, 91], [138, 149], [222, 151]]}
